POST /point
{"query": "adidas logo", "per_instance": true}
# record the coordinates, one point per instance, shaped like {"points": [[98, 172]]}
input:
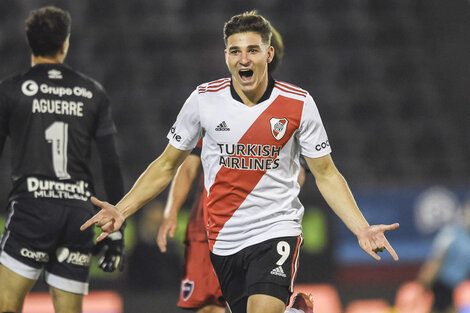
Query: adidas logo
{"points": [[278, 271], [222, 127]]}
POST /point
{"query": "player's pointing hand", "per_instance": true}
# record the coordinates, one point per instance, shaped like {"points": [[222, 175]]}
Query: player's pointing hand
{"points": [[109, 219], [372, 240]]}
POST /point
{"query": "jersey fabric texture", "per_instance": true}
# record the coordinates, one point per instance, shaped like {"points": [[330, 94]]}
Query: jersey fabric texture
{"points": [[51, 113], [250, 158]]}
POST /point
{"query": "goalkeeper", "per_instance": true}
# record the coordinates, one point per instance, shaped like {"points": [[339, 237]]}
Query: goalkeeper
{"points": [[51, 174]]}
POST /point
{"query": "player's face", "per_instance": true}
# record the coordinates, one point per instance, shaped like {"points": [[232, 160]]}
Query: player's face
{"points": [[247, 58]]}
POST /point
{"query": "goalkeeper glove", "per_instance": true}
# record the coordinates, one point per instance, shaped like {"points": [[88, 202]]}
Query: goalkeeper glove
{"points": [[111, 251]]}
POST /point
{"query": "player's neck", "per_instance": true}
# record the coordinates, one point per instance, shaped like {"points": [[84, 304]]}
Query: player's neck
{"points": [[40, 59], [251, 97]]}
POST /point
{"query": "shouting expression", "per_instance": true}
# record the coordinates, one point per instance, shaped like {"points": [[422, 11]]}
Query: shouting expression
{"points": [[247, 58]]}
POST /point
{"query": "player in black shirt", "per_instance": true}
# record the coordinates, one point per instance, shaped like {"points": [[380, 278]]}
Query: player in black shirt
{"points": [[52, 114]]}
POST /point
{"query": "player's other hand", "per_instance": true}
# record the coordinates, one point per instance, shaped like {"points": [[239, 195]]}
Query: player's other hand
{"points": [[167, 228], [109, 219], [372, 240], [111, 251]]}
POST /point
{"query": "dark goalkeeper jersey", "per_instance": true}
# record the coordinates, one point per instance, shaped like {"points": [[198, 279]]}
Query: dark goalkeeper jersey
{"points": [[51, 114]]}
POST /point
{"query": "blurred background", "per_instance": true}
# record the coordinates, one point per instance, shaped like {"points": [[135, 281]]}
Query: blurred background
{"points": [[391, 81]]}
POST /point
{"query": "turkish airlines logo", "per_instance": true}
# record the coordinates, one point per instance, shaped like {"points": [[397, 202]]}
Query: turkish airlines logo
{"points": [[278, 127], [30, 88]]}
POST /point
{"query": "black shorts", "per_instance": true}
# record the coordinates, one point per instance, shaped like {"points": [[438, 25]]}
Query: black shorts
{"points": [[46, 234], [266, 268]]}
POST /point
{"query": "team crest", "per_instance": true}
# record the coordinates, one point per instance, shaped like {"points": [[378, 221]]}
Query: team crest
{"points": [[187, 288], [278, 127]]}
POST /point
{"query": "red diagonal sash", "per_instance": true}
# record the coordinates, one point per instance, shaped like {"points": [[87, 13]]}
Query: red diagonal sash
{"points": [[232, 186]]}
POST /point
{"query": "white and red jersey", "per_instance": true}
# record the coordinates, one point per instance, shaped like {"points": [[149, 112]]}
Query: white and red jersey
{"points": [[250, 157]]}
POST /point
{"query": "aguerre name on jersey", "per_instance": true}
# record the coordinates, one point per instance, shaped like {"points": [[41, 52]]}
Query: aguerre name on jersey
{"points": [[56, 106]]}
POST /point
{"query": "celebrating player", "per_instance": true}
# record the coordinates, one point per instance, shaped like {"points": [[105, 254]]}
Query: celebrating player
{"points": [[254, 130], [51, 114], [200, 289]]}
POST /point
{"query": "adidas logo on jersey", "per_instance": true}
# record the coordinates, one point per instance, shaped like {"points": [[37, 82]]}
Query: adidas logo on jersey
{"points": [[222, 127], [278, 271], [54, 74]]}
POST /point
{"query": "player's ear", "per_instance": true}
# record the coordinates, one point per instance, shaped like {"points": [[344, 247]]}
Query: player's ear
{"points": [[270, 54], [226, 56], [64, 48]]}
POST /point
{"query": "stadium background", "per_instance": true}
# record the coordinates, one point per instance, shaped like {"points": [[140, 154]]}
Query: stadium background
{"points": [[390, 78]]}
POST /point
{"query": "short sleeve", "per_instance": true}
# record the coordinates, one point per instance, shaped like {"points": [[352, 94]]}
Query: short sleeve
{"points": [[186, 131], [312, 135]]}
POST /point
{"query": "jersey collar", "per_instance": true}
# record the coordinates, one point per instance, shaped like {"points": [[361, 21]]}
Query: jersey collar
{"points": [[265, 96]]}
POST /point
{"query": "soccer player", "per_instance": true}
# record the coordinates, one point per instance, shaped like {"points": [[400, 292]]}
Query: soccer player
{"points": [[200, 289], [52, 113], [254, 129]]}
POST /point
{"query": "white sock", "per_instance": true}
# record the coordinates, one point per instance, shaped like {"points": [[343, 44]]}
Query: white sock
{"points": [[292, 310]]}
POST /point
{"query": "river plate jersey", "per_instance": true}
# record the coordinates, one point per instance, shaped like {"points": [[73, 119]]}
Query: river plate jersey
{"points": [[51, 114], [250, 158]]}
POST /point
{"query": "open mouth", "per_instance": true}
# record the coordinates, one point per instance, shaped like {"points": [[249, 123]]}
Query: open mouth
{"points": [[245, 74]]}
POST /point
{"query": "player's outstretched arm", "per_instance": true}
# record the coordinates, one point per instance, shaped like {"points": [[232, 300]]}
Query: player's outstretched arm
{"points": [[179, 190], [337, 194], [151, 183]]}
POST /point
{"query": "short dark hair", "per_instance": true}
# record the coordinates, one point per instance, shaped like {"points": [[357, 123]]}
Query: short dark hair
{"points": [[47, 29], [248, 22]]}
